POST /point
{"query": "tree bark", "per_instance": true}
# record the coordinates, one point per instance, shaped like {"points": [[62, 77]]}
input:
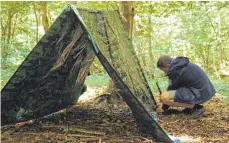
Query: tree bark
{"points": [[10, 16], [151, 66], [143, 59], [208, 51], [6, 33], [35, 13], [3, 34], [44, 16], [14, 26], [127, 11]]}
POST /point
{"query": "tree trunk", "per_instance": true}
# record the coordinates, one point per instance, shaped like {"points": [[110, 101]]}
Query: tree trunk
{"points": [[151, 66], [10, 16], [6, 34], [127, 12], [14, 26], [208, 51], [3, 34], [44, 16], [142, 56], [35, 13], [215, 66]]}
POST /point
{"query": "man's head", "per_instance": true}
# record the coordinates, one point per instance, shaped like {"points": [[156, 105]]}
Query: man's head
{"points": [[163, 63]]}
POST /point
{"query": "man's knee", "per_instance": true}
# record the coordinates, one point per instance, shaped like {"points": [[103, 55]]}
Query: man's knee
{"points": [[164, 97]]}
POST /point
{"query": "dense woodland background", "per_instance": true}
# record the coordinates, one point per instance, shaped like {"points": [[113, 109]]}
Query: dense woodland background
{"points": [[198, 30]]}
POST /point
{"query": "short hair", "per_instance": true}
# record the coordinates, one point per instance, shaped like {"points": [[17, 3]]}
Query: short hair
{"points": [[163, 61]]}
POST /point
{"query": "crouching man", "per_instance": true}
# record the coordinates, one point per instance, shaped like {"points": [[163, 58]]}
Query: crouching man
{"points": [[189, 86]]}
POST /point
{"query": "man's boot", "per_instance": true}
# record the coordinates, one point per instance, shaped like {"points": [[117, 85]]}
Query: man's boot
{"points": [[198, 110], [165, 108]]}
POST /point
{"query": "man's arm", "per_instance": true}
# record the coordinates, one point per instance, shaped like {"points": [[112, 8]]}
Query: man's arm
{"points": [[170, 85], [175, 79]]}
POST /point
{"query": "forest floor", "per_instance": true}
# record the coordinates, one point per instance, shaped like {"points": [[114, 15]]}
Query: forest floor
{"points": [[90, 121]]}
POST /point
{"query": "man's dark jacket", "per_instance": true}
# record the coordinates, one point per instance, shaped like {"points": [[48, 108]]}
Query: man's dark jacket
{"points": [[190, 82]]}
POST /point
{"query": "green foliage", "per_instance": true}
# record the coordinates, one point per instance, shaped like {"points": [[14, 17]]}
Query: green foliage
{"points": [[162, 82], [222, 86], [97, 80], [193, 29], [6, 75], [98, 5]]}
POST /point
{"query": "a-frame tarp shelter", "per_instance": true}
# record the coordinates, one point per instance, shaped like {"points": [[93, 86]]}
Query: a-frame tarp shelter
{"points": [[52, 75]]}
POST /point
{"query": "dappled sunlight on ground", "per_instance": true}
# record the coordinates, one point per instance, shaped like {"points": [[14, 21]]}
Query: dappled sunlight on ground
{"points": [[90, 121], [189, 139], [91, 93], [212, 126]]}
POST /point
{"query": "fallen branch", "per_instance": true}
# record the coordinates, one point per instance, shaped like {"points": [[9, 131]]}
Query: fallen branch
{"points": [[72, 128], [48, 133]]}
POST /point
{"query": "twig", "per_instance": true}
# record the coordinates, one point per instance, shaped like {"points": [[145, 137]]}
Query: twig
{"points": [[72, 128], [24, 139], [100, 140], [47, 133]]}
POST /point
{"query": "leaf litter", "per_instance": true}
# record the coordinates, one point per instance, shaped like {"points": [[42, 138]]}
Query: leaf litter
{"points": [[93, 122]]}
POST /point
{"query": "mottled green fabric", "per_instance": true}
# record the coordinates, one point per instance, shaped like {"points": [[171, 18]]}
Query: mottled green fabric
{"points": [[52, 75]]}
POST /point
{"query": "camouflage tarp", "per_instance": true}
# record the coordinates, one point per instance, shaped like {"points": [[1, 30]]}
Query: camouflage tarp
{"points": [[52, 75], [109, 34]]}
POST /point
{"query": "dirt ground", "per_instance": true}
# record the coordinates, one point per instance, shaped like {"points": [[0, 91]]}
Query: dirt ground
{"points": [[88, 121]]}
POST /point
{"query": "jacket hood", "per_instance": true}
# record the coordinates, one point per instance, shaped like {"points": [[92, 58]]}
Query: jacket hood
{"points": [[177, 63]]}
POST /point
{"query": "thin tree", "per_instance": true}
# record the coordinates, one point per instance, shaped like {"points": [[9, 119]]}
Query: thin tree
{"points": [[35, 13], [126, 9], [44, 16]]}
